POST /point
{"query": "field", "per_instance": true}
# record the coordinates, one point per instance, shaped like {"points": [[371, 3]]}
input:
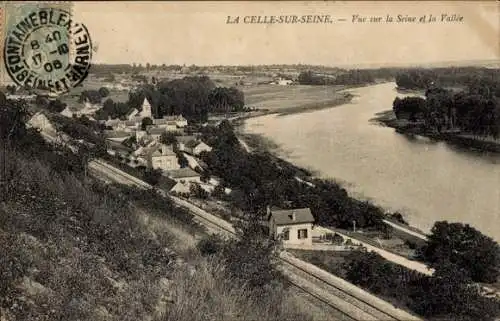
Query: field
{"points": [[293, 98], [258, 93]]}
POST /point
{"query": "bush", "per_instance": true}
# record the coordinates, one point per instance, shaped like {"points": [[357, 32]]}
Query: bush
{"points": [[210, 245]]}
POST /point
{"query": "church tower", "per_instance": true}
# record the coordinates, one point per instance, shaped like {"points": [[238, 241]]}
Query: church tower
{"points": [[146, 109]]}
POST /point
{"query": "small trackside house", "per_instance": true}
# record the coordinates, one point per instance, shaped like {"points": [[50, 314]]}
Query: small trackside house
{"points": [[293, 227]]}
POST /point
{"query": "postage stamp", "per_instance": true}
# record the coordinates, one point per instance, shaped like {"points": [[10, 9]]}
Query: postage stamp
{"points": [[44, 48]]}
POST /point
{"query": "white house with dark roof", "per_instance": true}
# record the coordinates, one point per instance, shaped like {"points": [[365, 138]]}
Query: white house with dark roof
{"points": [[293, 227], [163, 157]]}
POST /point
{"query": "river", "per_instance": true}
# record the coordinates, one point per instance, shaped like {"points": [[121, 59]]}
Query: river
{"points": [[425, 180]]}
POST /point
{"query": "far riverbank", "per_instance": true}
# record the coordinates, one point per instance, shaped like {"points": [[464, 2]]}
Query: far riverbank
{"points": [[455, 138]]}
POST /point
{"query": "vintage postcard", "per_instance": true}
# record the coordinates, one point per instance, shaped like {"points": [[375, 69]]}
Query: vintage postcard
{"points": [[250, 160]]}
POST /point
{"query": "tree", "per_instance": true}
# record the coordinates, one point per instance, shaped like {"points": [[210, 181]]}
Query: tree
{"points": [[197, 191], [3, 99], [205, 176], [109, 107], [210, 245], [168, 138], [56, 106], [146, 121], [11, 89], [252, 258], [449, 292], [104, 92], [181, 159], [218, 191], [465, 247], [86, 153], [152, 176]]}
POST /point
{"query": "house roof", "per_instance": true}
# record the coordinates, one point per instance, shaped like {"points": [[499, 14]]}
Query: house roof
{"points": [[156, 131], [182, 173], [164, 122], [162, 150], [166, 183], [185, 139], [192, 144], [116, 134], [132, 111], [285, 217], [118, 146]]}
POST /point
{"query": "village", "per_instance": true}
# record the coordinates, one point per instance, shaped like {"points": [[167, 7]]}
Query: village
{"points": [[125, 139]]}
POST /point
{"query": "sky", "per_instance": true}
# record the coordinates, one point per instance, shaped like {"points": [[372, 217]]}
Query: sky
{"points": [[197, 33]]}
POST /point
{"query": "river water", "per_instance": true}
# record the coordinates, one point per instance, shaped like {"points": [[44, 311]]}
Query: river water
{"points": [[425, 180]]}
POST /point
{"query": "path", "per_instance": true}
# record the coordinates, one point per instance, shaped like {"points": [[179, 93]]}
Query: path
{"points": [[398, 259]]}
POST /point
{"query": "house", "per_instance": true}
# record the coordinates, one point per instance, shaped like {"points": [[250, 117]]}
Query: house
{"points": [[140, 134], [196, 147], [284, 82], [163, 157], [291, 226], [170, 126], [115, 148], [185, 174], [183, 140], [193, 162], [155, 133], [181, 188], [132, 113], [117, 136], [42, 123], [179, 120], [67, 112]]}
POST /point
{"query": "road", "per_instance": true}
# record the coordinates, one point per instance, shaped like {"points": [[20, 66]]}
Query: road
{"points": [[406, 230], [398, 259]]}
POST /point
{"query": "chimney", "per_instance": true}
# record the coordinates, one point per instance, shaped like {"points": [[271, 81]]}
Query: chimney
{"points": [[292, 216]]}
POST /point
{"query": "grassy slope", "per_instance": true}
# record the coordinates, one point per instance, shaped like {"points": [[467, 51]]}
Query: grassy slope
{"points": [[73, 252], [77, 251]]}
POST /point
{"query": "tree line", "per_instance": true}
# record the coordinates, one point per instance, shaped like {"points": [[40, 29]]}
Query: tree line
{"points": [[346, 77], [475, 110], [193, 97], [471, 77]]}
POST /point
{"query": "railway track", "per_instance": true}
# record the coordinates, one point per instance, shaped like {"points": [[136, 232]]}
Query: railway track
{"points": [[334, 292]]}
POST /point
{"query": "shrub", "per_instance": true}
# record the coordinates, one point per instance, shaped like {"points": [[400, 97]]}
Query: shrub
{"points": [[210, 245]]}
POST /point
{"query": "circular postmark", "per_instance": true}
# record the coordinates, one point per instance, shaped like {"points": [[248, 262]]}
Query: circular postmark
{"points": [[47, 50]]}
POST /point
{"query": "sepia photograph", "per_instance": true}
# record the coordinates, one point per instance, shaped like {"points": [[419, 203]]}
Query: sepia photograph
{"points": [[250, 161]]}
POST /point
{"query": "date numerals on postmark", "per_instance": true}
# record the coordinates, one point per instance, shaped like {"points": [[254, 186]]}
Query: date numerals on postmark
{"points": [[38, 59]]}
